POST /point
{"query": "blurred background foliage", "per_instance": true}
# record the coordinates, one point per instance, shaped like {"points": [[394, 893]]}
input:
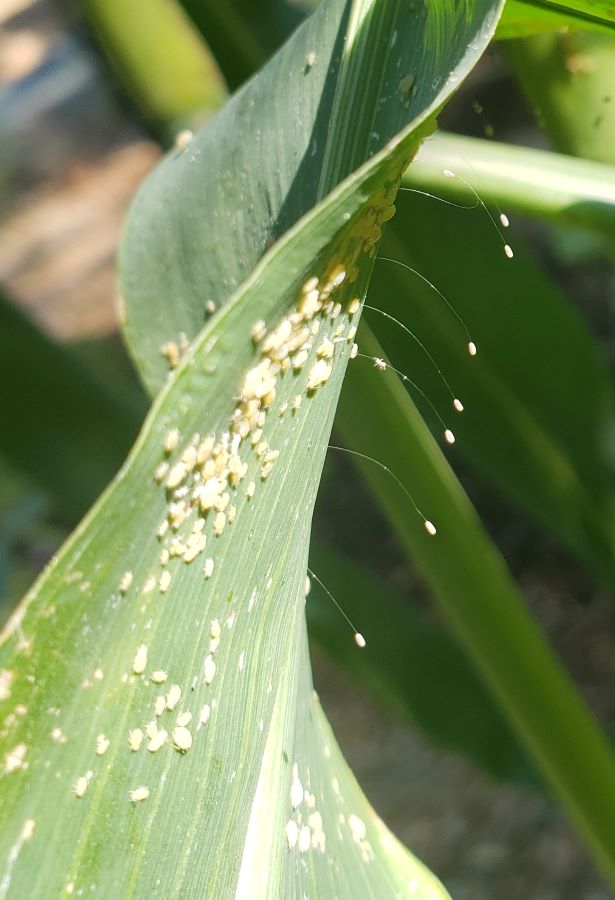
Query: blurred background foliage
{"points": [[89, 96]]}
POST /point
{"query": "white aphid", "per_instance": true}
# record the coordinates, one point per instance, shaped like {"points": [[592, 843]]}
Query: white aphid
{"points": [[140, 661], [208, 568], [157, 741], [182, 738], [165, 581], [138, 795], [184, 718], [81, 785], [102, 745], [125, 582], [204, 716], [159, 676], [319, 374], [173, 696], [171, 440], [160, 704], [135, 739], [305, 839]]}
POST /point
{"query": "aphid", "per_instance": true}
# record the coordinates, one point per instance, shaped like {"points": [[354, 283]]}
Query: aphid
{"points": [[354, 350], [209, 669], [150, 584], [135, 739], [231, 514], [160, 704], [171, 440], [138, 795], [219, 523], [176, 475], [162, 528], [171, 351], [210, 306], [380, 363], [305, 839], [354, 306], [259, 330], [173, 696], [319, 374], [165, 581], [182, 139], [140, 661], [157, 741], [81, 785], [326, 349], [310, 59], [250, 490], [159, 676], [208, 568], [14, 759], [184, 718], [182, 739], [151, 729], [406, 84], [125, 582], [102, 745]]}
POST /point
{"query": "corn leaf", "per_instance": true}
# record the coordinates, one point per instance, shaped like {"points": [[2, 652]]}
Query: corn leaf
{"points": [[155, 687]]}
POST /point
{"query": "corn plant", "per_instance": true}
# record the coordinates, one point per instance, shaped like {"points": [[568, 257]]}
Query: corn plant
{"points": [[160, 730]]}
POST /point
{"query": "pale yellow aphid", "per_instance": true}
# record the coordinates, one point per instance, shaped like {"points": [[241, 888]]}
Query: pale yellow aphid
{"points": [[326, 349], [354, 306], [160, 704], [354, 350], [250, 490], [161, 471], [184, 718], [102, 745], [296, 401], [81, 785], [219, 523], [140, 661], [135, 739], [204, 716], [125, 582], [164, 557], [310, 60], [259, 330], [319, 374], [208, 568], [138, 795], [305, 839], [231, 514], [165, 581], [176, 475], [159, 676], [171, 440], [150, 584], [162, 528], [173, 696], [151, 729], [157, 741], [182, 739]]}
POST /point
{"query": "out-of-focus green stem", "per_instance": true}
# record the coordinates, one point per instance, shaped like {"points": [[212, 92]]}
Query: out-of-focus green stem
{"points": [[161, 60], [480, 599], [532, 182]]}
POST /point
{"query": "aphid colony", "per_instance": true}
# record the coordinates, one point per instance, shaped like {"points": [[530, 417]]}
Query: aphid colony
{"points": [[303, 835], [202, 477]]}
